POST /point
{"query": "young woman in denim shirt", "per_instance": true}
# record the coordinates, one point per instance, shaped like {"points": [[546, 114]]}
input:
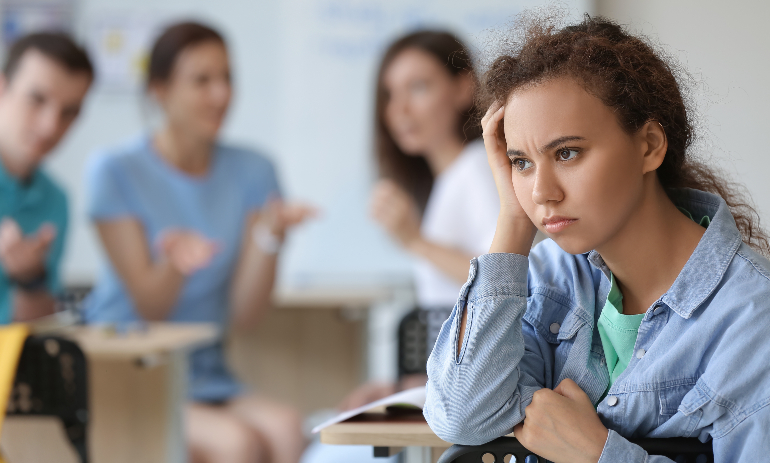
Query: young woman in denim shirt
{"points": [[645, 314]]}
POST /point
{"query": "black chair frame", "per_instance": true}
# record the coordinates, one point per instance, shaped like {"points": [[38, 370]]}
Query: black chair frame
{"points": [[52, 380], [504, 449]]}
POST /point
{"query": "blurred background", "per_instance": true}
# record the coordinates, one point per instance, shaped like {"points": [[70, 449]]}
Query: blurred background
{"points": [[304, 74], [304, 77]]}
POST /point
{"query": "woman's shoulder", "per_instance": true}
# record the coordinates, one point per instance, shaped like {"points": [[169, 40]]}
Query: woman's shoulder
{"points": [[473, 159], [129, 151], [239, 157]]}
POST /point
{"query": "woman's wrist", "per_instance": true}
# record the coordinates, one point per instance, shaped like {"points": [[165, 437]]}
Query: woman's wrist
{"points": [[513, 235], [416, 245], [267, 240]]}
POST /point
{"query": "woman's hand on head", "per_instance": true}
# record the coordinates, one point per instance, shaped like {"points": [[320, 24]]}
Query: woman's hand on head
{"points": [[562, 425], [187, 251], [515, 231], [396, 212]]}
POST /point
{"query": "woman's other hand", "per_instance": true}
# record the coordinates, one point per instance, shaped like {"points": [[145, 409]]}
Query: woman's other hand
{"points": [[515, 231], [396, 212], [186, 251], [561, 425], [366, 393], [278, 216]]}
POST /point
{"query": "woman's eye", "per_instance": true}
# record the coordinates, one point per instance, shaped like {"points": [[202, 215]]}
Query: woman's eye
{"points": [[567, 154], [521, 164]]}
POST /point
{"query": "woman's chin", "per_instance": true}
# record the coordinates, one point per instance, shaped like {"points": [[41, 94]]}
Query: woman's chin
{"points": [[572, 244]]}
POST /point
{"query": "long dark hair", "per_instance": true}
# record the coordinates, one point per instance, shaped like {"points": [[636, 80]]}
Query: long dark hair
{"points": [[171, 43], [629, 76], [412, 172]]}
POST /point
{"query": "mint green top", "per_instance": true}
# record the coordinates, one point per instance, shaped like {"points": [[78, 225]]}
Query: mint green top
{"points": [[617, 331]]}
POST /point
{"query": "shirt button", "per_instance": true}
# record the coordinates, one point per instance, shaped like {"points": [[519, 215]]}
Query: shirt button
{"points": [[612, 401], [640, 353], [658, 310], [602, 361], [554, 328]]}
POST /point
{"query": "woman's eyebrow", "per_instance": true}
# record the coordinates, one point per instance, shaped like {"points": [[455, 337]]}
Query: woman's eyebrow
{"points": [[551, 145]]}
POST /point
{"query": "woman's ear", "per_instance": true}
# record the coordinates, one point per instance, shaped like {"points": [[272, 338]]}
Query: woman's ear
{"points": [[654, 144], [466, 86]]}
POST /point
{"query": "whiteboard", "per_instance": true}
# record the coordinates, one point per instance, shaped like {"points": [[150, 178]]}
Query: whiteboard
{"points": [[304, 73]]}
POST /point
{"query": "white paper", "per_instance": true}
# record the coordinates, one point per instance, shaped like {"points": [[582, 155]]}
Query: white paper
{"points": [[414, 397]]}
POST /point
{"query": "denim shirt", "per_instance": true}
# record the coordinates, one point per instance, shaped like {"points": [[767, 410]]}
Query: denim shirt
{"points": [[702, 357]]}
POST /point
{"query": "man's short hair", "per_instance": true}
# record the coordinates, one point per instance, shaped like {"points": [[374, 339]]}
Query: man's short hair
{"points": [[55, 45]]}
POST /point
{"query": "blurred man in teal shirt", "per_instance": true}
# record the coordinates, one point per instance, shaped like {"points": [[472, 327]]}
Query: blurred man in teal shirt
{"points": [[44, 81]]}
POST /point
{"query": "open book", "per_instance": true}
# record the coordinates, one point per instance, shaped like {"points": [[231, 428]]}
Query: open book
{"points": [[410, 398]]}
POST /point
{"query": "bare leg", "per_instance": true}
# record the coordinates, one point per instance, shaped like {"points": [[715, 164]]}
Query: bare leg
{"points": [[215, 435], [281, 426]]}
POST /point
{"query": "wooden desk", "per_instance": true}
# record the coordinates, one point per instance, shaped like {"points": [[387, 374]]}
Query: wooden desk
{"points": [[137, 390], [393, 433]]}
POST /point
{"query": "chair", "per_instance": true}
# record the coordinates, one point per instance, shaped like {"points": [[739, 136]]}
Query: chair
{"points": [[413, 343], [51, 380], [509, 450]]}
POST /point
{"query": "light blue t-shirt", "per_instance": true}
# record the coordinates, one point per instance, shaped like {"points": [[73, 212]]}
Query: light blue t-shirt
{"points": [[32, 204], [133, 181]]}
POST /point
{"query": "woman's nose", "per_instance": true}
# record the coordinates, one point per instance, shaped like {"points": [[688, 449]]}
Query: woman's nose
{"points": [[546, 186]]}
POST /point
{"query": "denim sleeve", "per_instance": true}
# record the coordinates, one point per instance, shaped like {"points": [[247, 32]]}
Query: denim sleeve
{"points": [[480, 393], [617, 448]]}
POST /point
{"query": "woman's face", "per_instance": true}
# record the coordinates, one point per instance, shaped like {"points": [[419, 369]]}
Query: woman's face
{"points": [[197, 94], [423, 102], [577, 174]]}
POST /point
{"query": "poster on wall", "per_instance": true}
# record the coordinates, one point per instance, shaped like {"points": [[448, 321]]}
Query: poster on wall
{"points": [[120, 47], [21, 17]]}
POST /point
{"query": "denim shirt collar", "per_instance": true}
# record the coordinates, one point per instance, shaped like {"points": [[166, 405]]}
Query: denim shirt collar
{"points": [[708, 263]]}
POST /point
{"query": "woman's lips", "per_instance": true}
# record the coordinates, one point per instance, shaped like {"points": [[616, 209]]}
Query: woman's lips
{"points": [[556, 224]]}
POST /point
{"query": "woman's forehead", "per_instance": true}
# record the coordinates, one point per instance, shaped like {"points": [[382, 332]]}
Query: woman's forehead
{"points": [[556, 107]]}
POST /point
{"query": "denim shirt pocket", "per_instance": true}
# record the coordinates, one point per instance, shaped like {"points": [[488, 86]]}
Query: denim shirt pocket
{"points": [[691, 406], [672, 397], [551, 314]]}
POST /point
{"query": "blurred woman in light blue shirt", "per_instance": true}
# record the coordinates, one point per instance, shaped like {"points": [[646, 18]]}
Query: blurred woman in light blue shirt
{"points": [[192, 229]]}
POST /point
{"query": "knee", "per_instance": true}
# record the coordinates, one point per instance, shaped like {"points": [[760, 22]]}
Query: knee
{"points": [[289, 422]]}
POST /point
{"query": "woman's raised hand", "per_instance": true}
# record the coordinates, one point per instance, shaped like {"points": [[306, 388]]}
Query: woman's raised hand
{"points": [[186, 251], [278, 216], [395, 210], [515, 231]]}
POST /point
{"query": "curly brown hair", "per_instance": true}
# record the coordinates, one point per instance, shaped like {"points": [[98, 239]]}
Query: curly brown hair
{"points": [[630, 76]]}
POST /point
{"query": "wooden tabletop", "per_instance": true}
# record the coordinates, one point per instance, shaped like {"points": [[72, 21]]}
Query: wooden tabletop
{"points": [[331, 297], [137, 341], [378, 430]]}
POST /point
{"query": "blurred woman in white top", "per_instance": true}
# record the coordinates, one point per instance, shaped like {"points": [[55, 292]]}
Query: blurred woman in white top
{"points": [[436, 196]]}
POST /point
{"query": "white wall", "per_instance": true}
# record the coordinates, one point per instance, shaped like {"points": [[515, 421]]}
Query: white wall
{"points": [[304, 72], [725, 46]]}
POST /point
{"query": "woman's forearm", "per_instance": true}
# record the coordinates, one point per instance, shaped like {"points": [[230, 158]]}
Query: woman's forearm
{"points": [[152, 284], [452, 262], [156, 291], [252, 287]]}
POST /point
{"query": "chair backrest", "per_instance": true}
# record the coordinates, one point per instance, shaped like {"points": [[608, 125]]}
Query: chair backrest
{"points": [[52, 380], [509, 450], [413, 343]]}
